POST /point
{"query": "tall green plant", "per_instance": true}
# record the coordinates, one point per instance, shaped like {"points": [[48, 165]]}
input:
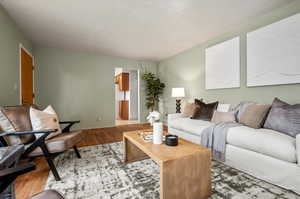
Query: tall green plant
{"points": [[154, 89]]}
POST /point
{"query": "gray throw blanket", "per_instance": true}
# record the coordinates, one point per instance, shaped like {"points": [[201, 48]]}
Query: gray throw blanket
{"points": [[214, 137]]}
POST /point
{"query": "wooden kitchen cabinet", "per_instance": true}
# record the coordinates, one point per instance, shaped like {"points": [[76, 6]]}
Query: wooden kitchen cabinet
{"points": [[123, 81], [124, 109]]}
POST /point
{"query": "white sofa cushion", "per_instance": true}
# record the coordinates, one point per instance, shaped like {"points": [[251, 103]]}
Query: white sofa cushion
{"points": [[264, 141], [298, 148], [189, 125]]}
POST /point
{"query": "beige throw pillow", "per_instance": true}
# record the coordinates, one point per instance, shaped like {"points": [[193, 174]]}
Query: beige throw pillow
{"points": [[254, 115], [223, 117], [43, 120], [188, 109]]}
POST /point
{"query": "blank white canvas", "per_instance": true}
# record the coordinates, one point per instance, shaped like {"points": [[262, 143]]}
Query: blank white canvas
{"points": [[273, 53], [222, 68]]}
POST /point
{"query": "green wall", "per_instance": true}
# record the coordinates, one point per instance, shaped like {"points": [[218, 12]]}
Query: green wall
{"points": [[10, 38], [187, 69], [80, 85]]}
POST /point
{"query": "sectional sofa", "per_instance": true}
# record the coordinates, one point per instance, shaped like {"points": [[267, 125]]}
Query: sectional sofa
{"points": [[266, 154]]}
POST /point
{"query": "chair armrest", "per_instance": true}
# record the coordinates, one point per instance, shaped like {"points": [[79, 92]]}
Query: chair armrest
{"points": [[70, 124], [7, 176], [298, 148], [28, 132]]}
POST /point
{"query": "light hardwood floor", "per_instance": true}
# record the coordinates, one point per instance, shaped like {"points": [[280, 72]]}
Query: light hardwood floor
{"points": [[34, 182]]}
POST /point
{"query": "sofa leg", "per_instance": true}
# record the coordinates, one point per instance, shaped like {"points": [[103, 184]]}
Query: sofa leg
{"points": [[77, 152]]}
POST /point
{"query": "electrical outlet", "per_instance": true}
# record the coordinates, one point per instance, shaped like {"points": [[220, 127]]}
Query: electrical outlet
{"points": [[99, 118]]}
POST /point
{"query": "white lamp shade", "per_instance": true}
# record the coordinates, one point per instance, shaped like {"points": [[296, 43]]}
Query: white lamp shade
{"points": [[178, 92]]}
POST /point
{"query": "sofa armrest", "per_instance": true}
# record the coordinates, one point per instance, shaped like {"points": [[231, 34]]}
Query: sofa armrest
{"points": [[175, 116], [17, 133], [298, 149]]}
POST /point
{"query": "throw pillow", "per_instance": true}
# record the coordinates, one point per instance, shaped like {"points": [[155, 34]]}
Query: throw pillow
{"points": [[20, 119], [284, 118], [46, 119], [240, 108], [255, 115], [7, 126], [220, 116], [188, 109], [204, 111]]}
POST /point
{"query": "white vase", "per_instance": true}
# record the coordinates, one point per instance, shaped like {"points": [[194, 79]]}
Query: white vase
{"points": [[157, 132]]}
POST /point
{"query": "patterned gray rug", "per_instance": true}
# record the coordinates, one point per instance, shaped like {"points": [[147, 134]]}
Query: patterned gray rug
{"points": [[101, 174]]}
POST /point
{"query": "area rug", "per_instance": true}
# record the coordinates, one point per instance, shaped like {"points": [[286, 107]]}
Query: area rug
{"points": [[101, 174]]}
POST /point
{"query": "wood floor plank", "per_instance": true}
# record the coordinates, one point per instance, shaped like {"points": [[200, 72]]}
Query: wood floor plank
{"points": [[34, 182]]}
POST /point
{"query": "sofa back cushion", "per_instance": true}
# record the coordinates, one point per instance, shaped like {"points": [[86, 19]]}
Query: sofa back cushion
{"points": [[204, 111], [255, 115], [284, 118], [223, 107]]}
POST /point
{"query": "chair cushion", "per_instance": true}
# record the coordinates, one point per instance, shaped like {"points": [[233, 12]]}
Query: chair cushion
{"points": [[189, 125], [60, 143], [48, 194], [264, 141], [20, 119]]}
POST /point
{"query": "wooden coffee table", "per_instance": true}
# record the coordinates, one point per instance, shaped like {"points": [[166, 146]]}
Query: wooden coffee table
{"points": [[184, 169]]}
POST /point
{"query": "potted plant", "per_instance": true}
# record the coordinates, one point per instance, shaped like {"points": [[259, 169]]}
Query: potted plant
{"points": [[154, 89]]}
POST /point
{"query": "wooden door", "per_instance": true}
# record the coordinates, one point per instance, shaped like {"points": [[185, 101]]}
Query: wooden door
{"points": [[27, 94]]}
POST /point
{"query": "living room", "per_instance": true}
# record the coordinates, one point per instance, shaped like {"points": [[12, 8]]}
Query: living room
{"points": [[220, 78]]}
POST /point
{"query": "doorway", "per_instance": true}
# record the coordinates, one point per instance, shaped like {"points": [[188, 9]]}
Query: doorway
{"points": [[127, 103], [26, 76]]}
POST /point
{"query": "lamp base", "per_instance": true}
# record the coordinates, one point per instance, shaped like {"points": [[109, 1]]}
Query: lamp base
{"points": [[178, 106]]}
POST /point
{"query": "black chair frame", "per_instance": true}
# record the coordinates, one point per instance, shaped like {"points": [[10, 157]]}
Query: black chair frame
{"points": [[40, 142]]}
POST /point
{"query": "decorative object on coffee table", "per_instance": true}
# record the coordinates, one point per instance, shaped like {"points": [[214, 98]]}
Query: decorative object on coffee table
{"points": [[157, 132], [178, 93], [153, 116], [171, 140]]}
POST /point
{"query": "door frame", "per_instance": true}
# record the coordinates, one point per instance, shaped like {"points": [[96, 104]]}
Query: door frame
{"points": [[21, 47]]}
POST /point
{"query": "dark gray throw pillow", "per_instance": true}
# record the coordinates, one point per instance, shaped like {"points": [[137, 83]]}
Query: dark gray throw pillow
{"points": [[204, 111], [284, 118]]}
